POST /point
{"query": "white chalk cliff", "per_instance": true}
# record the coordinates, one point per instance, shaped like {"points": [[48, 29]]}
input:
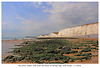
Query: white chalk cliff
{"points": [[86, 29]]}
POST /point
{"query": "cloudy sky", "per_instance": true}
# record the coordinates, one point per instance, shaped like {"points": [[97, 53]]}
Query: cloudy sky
{"points": [[21, 19]]}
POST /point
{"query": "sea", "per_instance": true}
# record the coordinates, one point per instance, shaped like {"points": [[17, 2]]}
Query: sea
{"points": [[11, 38], [15, 38], [9, 42]]}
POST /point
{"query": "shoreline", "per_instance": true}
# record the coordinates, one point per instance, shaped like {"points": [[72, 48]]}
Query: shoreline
{"points": [[14, 39], [6, 45]]}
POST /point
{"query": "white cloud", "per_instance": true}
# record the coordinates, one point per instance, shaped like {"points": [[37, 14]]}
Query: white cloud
{"points": [[34, 27], [8, 26], [4, 23], [27, 27], [37, 4], [71, 14], [20, 18], [43, 7]]}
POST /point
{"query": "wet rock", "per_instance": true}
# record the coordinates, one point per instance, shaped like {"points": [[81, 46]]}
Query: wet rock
{"points": [[95, 45], [66, 48]]}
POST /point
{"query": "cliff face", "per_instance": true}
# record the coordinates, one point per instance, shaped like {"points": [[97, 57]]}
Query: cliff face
{"points": [[86, 29], [79, 30]]}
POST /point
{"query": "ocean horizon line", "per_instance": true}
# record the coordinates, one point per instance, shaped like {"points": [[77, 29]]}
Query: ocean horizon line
{"points": [[16, 38], [12, 38]]}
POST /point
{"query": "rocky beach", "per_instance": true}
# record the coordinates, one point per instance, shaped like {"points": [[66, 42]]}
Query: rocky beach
{"points": [[71, 50], [8, 44]]}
